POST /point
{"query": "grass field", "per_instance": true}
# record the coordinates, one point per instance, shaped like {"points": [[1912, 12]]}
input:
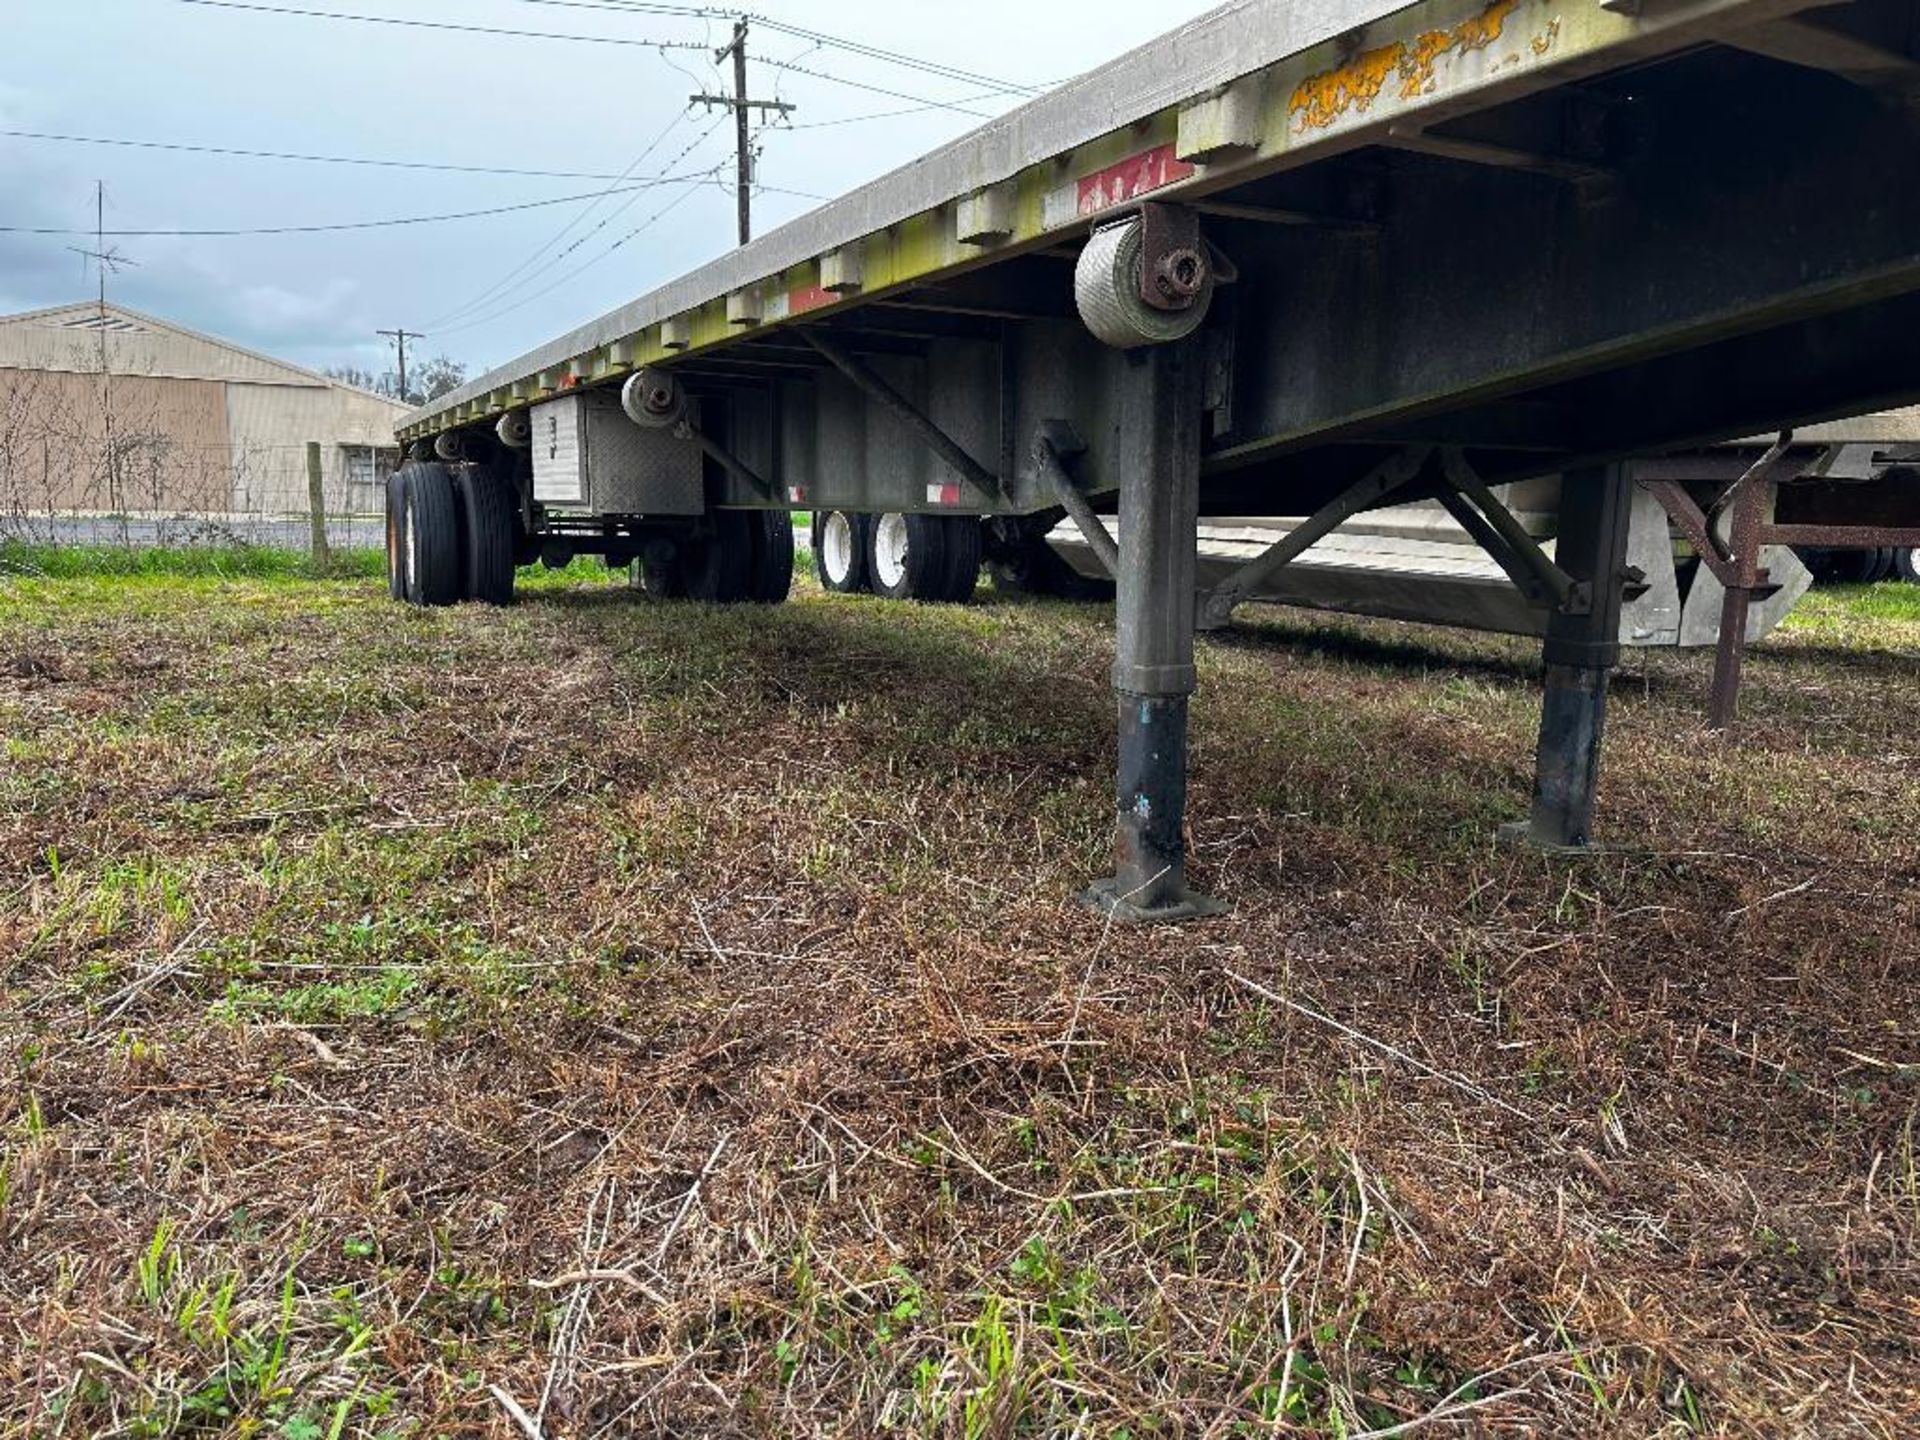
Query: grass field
{"points": [[676, 1021]]}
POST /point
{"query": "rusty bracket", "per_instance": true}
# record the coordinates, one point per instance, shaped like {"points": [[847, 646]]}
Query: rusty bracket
{"points": [[1175, 267], [1691, 521], [1506, 540], [1365, 492]]}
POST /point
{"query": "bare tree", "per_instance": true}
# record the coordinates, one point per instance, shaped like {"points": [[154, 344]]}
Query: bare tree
{"points": [[428, 382]]}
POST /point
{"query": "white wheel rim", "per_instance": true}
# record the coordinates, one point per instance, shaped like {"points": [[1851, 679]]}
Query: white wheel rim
{"points": [[890, 550], [836, 547]]}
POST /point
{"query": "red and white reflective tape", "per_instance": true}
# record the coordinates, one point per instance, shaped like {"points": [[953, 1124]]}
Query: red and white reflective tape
{"points": [[796, 494], [1114, 185], [943, 494]]}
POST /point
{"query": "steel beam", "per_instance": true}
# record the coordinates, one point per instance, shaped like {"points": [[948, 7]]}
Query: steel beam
{"points": [[1153, 672], [1505, 538], [1046, 459], [1595, 506], [1860, 61], [1364, 493]]}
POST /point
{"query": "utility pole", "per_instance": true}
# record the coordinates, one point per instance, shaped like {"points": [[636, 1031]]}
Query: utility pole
{"points": [[400, 338], [740, 105]]}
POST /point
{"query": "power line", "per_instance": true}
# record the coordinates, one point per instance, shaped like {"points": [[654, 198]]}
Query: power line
{"points": [[885, 114], [956, 106], [316, 159], [505, 282], [248, 6], [400, 338], [818, 37], [578, 271], [361, 224]]}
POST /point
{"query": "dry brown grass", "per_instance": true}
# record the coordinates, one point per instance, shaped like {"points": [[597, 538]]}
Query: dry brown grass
{"points": [[670, 1021]]}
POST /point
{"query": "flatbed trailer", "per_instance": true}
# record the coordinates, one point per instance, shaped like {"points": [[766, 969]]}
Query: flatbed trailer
{"points": [[1298, 257]]}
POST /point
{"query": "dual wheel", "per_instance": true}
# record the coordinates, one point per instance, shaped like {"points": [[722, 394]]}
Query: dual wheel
{"points": [[1862, 567], [452, 533], [903, 557], [740, 555]]}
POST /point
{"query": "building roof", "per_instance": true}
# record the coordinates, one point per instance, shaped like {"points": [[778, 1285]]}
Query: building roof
{"points": [[69, 338]]}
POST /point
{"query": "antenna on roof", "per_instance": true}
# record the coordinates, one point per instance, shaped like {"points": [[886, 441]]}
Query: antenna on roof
{"points": [[107, 260]]}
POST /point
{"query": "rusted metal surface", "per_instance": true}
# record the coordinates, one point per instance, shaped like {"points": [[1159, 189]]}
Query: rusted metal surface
{"points": [[1749, 508], [1842, 537], [1173, 270], [1691, 521], [1353, 86]]}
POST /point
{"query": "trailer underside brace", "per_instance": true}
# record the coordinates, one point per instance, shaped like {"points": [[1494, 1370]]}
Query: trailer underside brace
{"points": [[1506, 540], [1048, 447], [875, 386], [1367, 491]]}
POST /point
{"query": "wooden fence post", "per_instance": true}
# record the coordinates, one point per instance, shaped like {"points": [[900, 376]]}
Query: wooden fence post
{"points": [[317, 507]]}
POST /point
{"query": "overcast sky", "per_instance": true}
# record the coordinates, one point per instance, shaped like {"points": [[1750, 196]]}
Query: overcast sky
{"points": [[181, 73]]}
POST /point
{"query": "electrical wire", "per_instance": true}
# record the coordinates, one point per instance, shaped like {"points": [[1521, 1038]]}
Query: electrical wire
{"points": [[257, 9], [504, 285], [818, 37], [212, 233], [315, 159], [250, 7], [882, 114], [958, 107], [575, 273]]}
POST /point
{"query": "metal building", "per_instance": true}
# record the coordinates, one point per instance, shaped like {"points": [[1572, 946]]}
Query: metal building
{"points": [[107, 410]]}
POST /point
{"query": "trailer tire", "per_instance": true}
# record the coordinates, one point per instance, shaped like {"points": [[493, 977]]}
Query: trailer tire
{"points": [[911, 555], [1906, 564], [772, 556], [396, 536], [1879, 564], [840, 550], [432, 530], [718, 567], [489, 530], [965, 550]]}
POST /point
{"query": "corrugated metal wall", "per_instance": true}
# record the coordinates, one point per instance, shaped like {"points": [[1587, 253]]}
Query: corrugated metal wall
{"points": [[198, 425], [170, 448], [268, 427]]}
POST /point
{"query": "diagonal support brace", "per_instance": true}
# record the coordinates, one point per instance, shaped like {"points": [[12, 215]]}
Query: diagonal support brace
{"points": [[1047, 450], [876, 388], [1496, 531], [1365, 492], [727, 460]]}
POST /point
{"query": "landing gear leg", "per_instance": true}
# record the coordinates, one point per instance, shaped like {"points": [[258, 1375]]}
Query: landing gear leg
{"points": [[1153, 671], [1581, 651]]}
